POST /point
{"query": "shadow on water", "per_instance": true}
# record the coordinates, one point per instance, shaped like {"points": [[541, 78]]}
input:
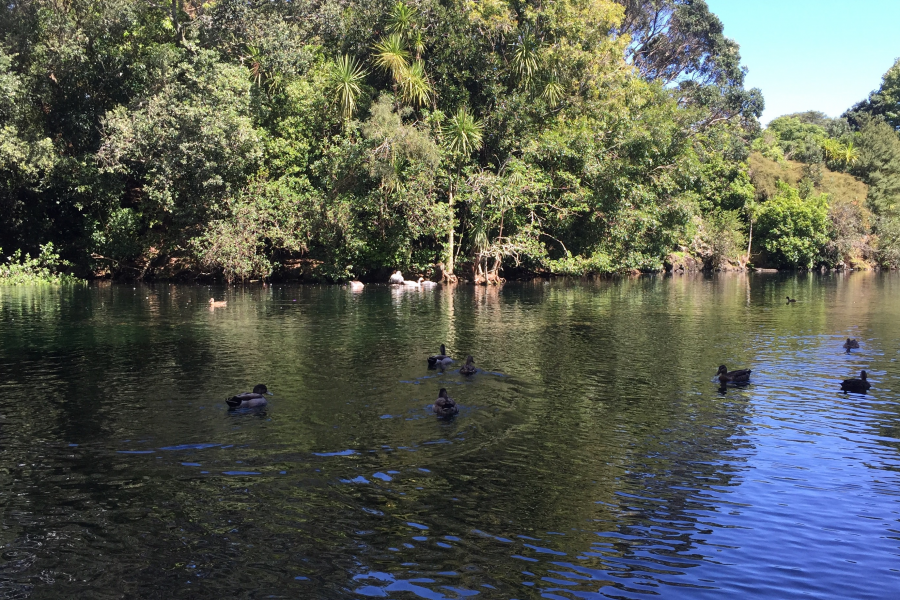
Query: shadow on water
{"points": [[594, 454]]}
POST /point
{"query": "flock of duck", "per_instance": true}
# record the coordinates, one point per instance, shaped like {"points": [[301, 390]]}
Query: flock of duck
{"points": [[444, 406], [858, 385]]}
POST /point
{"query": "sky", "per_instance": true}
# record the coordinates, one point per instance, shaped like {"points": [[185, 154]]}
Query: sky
{"points": [[804, 55]]}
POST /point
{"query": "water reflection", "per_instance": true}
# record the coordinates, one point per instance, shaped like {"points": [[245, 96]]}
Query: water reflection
{"points": [[593, 456]]}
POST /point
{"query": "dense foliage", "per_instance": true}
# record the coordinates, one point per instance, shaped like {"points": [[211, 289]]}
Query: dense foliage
{"points": [[341, 138], [335, 139], [847, 166]]}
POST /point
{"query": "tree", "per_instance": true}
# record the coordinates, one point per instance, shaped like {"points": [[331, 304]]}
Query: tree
{"points": [[463, 135], [346, 76], [883, 102]]}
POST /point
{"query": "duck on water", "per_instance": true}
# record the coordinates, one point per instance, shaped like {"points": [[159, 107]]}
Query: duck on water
{"points": [[250, 399], [439, 360], [444, 406], [736, 376], [858, 385]]}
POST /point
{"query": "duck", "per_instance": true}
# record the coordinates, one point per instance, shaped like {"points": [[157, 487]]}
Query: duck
{"points": [[250, 399], [425, 283], [439, 360], [857, 385], [213, 303], [357, 286], [397, 278], [736, 376], [469, 367], [444, 406], [410, 283], [850, 343], [790, 300]]}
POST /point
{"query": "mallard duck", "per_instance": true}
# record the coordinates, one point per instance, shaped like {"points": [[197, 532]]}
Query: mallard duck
{"points": [[469, 367], [213, 303], [789, 300], [250, 399], [444, 406], [850, 343], [425, 283], [397, 278], [357, 286], [859, 386], [737, 376], [438, 360]]}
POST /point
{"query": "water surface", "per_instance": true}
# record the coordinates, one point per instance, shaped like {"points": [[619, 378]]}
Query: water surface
{"points": [[593, 457]]}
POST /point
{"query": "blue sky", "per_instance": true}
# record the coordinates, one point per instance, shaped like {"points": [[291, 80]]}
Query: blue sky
{"points": [[813, 54]]}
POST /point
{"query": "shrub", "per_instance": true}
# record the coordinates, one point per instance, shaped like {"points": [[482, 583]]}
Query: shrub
{"points": [[21, 268], [794, 230]]}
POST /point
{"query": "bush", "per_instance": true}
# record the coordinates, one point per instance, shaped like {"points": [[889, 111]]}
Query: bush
{"points": [[794, 230], [723, 238], [20, 268]]}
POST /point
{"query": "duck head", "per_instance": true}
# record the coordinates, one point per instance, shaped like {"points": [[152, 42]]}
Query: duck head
{"points": [[260, 388], [442, 393], [722, 370], [470, 360], [443, 350], [862, 375]]}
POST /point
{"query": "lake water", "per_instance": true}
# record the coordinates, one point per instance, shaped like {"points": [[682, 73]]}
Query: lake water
{"points": [[593, 456]]}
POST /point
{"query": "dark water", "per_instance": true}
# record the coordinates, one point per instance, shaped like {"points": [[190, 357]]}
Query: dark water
{"points": [[592, 458]]}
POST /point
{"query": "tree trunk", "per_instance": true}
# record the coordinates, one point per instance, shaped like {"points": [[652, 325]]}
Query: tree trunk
{"points": [[450, 240]]}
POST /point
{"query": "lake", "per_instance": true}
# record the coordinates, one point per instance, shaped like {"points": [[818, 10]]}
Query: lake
{"points": [[594, 455]]}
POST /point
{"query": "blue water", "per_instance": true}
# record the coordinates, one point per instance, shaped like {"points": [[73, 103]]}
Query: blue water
{"points": [[593, 456]]}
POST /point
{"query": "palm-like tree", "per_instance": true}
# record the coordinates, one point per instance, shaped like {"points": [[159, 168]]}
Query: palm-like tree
{"points": [[346, 76], [526, 58], [463, 133], [417, 40], [850, 155], [391, 56], [415, 87], [401, 19]]}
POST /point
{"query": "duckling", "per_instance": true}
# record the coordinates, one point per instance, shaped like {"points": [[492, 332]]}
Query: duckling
{"points": [[790, 300], [397, 278], [250, 399], [736, 376], [850, 343], [439, 360], [213, 303], [425, 283], [469, 367], [357, 286], [858, 386], [444, 406]]}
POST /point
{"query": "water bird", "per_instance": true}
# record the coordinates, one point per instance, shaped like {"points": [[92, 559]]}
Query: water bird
{"points": [[425, 283], [439, 360], [444, 406], [213, 303], [857, 385], [250, 399], [356, 285], [736, 376], [410, 283], [397, 278], [790, 300], [850, 343], [469, 367]]}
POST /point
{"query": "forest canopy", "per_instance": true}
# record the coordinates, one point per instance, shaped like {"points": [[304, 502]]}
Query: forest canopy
{"points": [[338, 139]]}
